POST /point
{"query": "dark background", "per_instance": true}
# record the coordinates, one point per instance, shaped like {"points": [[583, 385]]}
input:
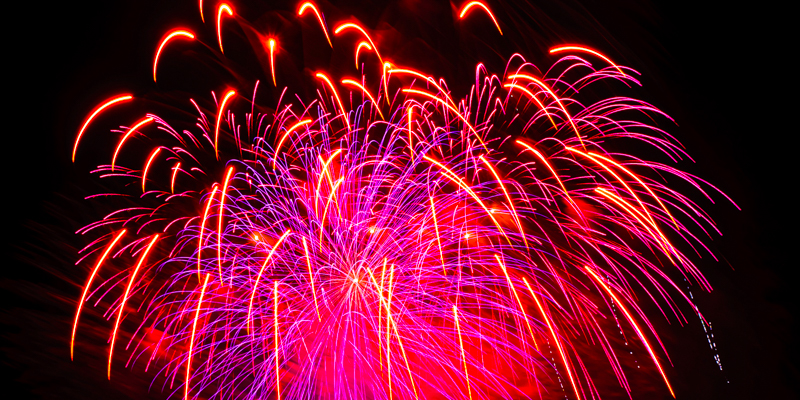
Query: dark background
{"points": [[723, 72]]}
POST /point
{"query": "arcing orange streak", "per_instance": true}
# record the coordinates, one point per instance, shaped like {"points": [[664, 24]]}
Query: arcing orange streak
{"points": [[632, 211], [280, 143], [358, 49], [508, 197], [453, 109], [365, 91], [109, 103], [634, 176], [191, 339], [86, 289], [349, 25], [516, 296], [427, 79], [586, 50], [228, 95], [635, 326], [219, 225], [392, 325], [177, 32], [338, 101], [228, 10], [555, 338], [483, 6], [271, 43], [455, 178], [140, 123], [310, 5], [124, 300], [593, 157], [552, 172], [174, 174], [461, 345], [147, 166], [261, 271], [551, 93], [202, 227]]}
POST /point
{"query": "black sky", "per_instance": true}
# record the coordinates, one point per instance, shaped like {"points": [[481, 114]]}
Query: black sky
{"points": [[721, 71]]}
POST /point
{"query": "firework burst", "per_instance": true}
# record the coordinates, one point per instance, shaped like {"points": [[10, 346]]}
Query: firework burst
{"points": [[382, 236]]}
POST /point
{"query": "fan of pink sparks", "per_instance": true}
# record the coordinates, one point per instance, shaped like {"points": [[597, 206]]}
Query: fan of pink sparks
{"points": [[390, 240]]}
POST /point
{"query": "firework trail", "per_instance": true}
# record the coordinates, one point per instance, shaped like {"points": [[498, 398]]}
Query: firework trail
{"points": [[381, 237]]}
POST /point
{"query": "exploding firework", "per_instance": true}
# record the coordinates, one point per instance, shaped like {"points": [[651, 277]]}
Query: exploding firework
{"points": [[379, 233]]}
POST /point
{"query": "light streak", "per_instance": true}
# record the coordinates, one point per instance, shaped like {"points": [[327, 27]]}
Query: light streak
{"points": [[224, 7], [635, 327], [384, 208], [480, 4], [336, 95], [125, 299], [147, 166], [94, 113], [170, 36], [271, 43], [222, 196], [142, 122], [313, 8], [86, 290], [285, 136], [222, 105]]}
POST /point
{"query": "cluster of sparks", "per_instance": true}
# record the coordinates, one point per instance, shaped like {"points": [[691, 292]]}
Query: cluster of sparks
{"points": [[387, 240]]}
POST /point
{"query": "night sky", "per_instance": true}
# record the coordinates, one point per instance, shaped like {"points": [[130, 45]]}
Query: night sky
{"points": [[721, 71]]}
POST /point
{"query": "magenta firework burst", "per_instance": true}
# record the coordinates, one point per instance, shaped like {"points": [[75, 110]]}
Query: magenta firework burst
{"points": [[379, 233]]}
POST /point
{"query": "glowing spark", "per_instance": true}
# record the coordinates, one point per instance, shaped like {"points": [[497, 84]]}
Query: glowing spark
{"points": [[228, 95], [142, 122], [86, 289], [286, 135], [366, 92], [124, 300], [336, 95], [147, 166], [224, 7], [483, 6], [98, 110], [175, 170], [350, 25], [177, 32], [310, 5], [635, 327], [555, 339], [272, 59], [202, 227], [222, 197]]}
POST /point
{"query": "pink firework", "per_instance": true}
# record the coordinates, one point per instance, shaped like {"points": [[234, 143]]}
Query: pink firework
{"points": [[377, 233]]}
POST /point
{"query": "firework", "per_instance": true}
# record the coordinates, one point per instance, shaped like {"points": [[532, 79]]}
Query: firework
{"points": [[387, 237]]}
